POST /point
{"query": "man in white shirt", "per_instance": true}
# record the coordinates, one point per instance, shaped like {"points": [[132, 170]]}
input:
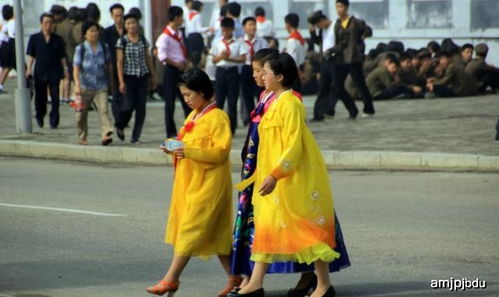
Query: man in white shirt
{"points": [[296, 45], [325, 40], [228, 53], [253, 44]]}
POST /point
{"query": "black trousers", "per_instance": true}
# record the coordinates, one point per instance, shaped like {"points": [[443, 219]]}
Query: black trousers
{"points": [[41, 100], [227, 87], [325, 96], [134, 99], [443, 91], [171, 77], [356, 71], [249, 89], [394, 91]]}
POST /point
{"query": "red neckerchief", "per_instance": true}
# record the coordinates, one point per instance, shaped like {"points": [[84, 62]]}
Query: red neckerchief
{"points": [[296, 35], [190, 125], [251, 44], [260, 19], [174, 35], [192, 14], [227, 45]]}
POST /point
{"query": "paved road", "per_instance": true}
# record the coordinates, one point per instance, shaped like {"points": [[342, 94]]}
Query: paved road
{"points": [[457, 125], [402, 231]]}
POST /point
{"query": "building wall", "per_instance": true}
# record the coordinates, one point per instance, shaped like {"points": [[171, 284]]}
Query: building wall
{"points": [[415, 22]]}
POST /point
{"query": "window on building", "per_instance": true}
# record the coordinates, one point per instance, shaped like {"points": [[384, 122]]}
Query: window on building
{"points": [[304, 8], [484, 14], [429, 13], [374, 12]]}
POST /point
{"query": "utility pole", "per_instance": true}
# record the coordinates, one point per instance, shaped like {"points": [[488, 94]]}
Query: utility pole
{"points": [[22, 100]]}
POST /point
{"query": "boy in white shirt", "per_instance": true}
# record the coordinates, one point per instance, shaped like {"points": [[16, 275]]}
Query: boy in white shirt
{"points": [[228, 54], [264, 26], [253, 44], [296, 45]]}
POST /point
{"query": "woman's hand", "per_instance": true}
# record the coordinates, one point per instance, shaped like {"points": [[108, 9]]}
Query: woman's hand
{"points": [[268, 186], [179, 153], [122, 88]]}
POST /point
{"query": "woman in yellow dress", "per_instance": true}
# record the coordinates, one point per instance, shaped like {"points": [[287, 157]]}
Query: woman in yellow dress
{"points": [[200, 217], [293, 207]]}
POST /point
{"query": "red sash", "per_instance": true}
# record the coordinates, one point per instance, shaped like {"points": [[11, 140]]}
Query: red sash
{"points": [[251, 47], [175, 36], [227, 45], [296, 35]]}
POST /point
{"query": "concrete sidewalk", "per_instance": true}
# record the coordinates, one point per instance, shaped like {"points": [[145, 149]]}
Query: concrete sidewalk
{"points": [[437, 134]]}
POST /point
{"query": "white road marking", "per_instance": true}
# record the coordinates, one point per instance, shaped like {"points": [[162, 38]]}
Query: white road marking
{"points": [[94, 213]]}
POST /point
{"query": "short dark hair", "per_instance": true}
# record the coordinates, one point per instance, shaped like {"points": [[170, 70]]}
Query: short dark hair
{"points": [[93, 12], [7, 12], [87, 25], [405, 56], [316, 17], [395, 46], [434, 46], [292, 19], [446, 54], [283, 64], [391, 58], [46, 15], [248, 19], [136, 11], [130, 16], [116, 6], [197, 5], [264, 54], [344, 2], [73, 13], [174, 11], [197, 80], [259, 11], [234, 9], [467, 46], [227, 23]]}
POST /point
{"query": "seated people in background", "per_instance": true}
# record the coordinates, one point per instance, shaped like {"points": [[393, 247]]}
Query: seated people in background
{"points": [[454, 81], [486, 75], [426, 67], [407, 72], [383, 82], [467, 53]]}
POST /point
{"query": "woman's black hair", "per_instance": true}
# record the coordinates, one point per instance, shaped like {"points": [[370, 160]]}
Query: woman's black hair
{"points": [[130, 16], [198, 81], [136, 11], [7, 12], [283, 64], [259, 11], [87, 25], [264, 54]]}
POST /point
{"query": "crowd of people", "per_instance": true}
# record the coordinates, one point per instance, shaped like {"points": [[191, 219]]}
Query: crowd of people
{"points": [[80, 62]]}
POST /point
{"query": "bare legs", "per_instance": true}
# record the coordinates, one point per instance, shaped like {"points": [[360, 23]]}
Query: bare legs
{"points": [[321, 270]]}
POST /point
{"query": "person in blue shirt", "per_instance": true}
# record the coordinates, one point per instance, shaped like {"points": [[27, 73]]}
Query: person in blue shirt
{"points": [[92, 71]]}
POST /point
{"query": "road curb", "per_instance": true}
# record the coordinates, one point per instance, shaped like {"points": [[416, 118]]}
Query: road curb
{"points": [[358, 160]]}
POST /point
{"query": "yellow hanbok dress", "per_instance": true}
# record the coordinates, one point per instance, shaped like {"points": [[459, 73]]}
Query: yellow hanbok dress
{"points": [[200, 216], [296, 221]]}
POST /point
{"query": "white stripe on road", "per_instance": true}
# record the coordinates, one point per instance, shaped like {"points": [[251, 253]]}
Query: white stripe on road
{"points": [[103, 214]]}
